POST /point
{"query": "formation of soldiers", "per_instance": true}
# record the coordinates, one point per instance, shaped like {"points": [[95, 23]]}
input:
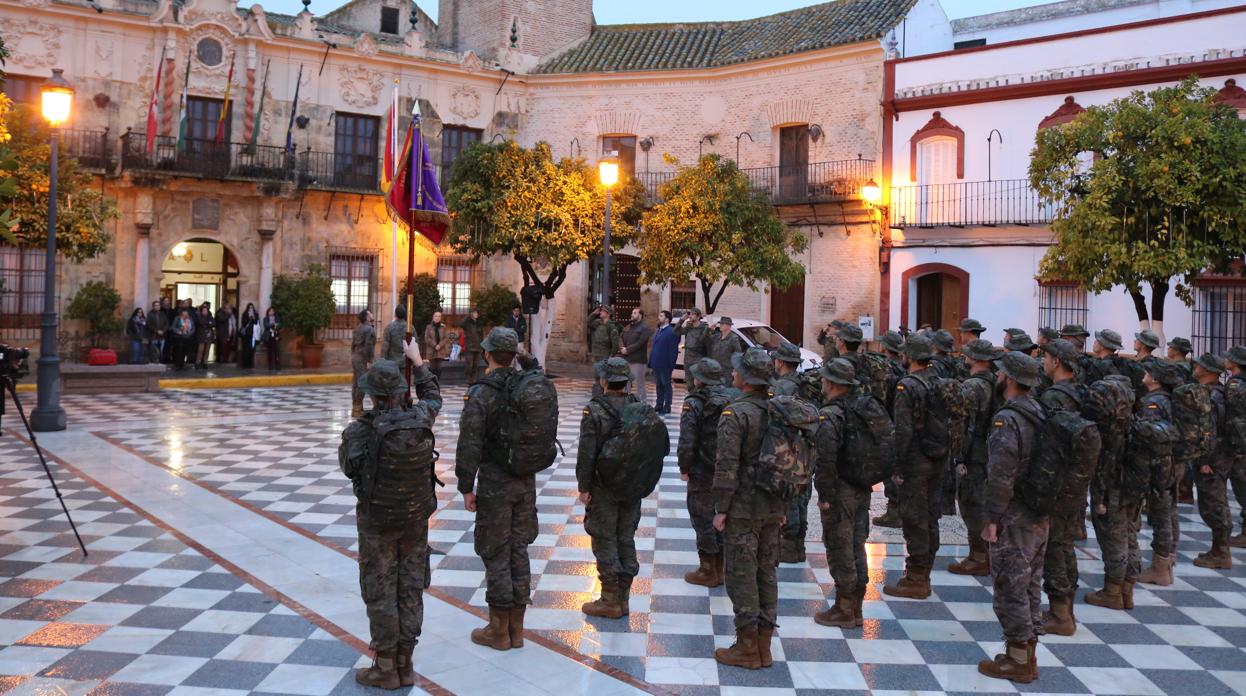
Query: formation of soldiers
{"points": [[983, 431]]}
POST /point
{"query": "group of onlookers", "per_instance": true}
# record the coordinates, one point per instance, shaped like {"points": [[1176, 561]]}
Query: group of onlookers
{"points": [[186, 335]]}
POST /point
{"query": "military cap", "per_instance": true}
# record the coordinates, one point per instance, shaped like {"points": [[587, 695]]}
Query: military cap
{"points": [[1237, 355], [918, 347], [1182, 345], [1166, 372], [1062, 349], [1049, 333], [1020, 367], [1211, 362], [753, 365], [383, 379], [707, 371], [1013, 331], [501, 339], [1109, 339], [1020, 342], [1076, 330], [943, 340], [839, 371], [972, 326], [980, 349], [837, 324], [613, 370], [850, 332], [787, 352], [1148, 338], [725, 321], [893, 341]]}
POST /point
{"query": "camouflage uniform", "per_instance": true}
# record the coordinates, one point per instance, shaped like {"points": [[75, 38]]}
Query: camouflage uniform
{"points": [[921, 486], [472, 355], [722, 349], [362, 347], [1213, 494], [697, 453], [979, 392], [695, 342], [1161, 504], [897, 373], [1060, 574], [846, 523], [603, 338], [1235, 421], [392, 339], [610, 522], [796, 522]]}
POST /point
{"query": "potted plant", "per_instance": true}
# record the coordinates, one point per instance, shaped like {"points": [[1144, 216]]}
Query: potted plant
{"points": [[306, 305], [97, 304]]}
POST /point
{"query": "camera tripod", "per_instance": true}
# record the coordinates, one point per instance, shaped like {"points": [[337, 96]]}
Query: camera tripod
{"points": [[7, 384]]}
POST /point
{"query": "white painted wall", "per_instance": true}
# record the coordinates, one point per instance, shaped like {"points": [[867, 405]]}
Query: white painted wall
{"points": [[1087, 20]]}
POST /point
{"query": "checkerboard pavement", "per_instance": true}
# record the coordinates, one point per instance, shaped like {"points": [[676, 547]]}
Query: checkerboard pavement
{"points": [[1186, 639], [163, 406], [144, 614]]}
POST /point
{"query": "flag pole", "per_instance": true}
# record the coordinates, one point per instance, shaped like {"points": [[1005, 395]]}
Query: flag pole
{"points": [[393, 175], [417, 182]]}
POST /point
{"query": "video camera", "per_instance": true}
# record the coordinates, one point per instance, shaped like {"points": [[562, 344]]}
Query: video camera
{"points": [[14, 362]]}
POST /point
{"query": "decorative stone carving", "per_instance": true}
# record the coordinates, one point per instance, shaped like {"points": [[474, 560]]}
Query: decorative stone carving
{"points": [[360, 87], [205, 213], [1065, 113], [471, 62], [220, 12], [465, 102], [32, 43], [366, 46], [304, 26], [1232, 95], [220, 35], [936, 127], [103, 58]]}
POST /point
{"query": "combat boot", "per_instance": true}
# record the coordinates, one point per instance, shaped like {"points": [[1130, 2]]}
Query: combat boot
{"points": [[515, 629], [857, 601], [406, 669], [625, 594], [720, 567], [1127, 593], [891, 518], [1160, 572], [764, 636], [743, 652], [496, 635], [1016, 664], [842, 615], [383, 674], [1238, 541], [608, 606], [1110, 597], [1060, 621], [914, 584], [978, 563], [1219, 557], [706, 574]]}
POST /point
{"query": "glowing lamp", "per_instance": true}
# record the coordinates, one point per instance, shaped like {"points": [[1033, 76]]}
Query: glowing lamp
{"points": [[58, 98], [608, 170], [872, 192]]}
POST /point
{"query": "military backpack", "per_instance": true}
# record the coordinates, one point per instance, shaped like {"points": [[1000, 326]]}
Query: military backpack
{"points": [[391, 465], [629, 462], [1195, 418], [1148, 457], [874, 373], [1064, 457], [811, 387], [869, 441], [713, 401], [787, 446], [943, 423], [528, 428], [1132, 369], [1235, 413]]}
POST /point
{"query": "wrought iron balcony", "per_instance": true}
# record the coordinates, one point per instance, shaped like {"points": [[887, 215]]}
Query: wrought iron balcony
{"points": [[987, 203], [817, 182], [92, 148]]}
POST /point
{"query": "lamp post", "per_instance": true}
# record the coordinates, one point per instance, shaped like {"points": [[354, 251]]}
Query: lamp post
{"points": [[57, 101], [608, 171]]}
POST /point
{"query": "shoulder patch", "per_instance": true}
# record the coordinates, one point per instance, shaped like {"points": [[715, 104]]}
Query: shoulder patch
{"points": [[467, 397], [899, 387], [684, 407], [1152, 406], [586, 411], [999, 424], [726, 412]]}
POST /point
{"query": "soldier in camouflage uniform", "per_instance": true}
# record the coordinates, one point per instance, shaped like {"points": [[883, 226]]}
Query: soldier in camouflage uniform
{"points": [[918, 477], [1046, 335], [1060, 566], [362, 348], [1212, 472], [1018, 536], [845, 508], [722, 345], [1235, 429], [1117, 516], [392, 519], [505, 505], [473, 329], [979, 392], [1102, 360], [698, 451], [893, 345], [1076, 335], [1179, 350], [1161, 378], [787, 383], [395, 336], [1020, 342], [848, 344], [603, 334], [969, 331], [826, 339], [695, 334], [947, 367], [1146, 342], [747, 516], [609, 521]]}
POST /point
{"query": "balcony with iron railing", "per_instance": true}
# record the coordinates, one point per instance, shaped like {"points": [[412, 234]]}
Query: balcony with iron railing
{"points": [[962, 204], [94, 149], [816, 182]]}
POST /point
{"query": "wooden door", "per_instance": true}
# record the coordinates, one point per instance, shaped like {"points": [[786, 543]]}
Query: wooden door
{"points": [[624, 285], [929, 301], [793, 163], [787, 311]]}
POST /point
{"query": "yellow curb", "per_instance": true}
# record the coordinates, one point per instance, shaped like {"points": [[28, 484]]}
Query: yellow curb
{"points": [[26, 388], [254, 382]]}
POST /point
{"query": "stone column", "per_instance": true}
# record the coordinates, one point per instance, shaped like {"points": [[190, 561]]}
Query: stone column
{"points": [[142, 269], [267, 230]]}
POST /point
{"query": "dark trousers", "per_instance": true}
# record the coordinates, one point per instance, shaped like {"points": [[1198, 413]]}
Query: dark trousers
{"points": [[472, 358], [392, 580], [921, 506], [224, 350], [273, 347], [246, 355], [662, 384]]}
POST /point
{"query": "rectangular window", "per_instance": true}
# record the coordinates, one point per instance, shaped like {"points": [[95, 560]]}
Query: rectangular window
{"points": [[354, 151], [454, 140], [24, 90], [1219, 317], [21, 298], [352, 274], [968, 43], [389, 20], [202, 115], [625, 146], [1062, 304], [683, 296], [793, 164], [455, 277]]}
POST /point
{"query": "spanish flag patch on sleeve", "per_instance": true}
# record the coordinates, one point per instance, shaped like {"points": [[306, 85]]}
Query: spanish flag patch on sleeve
{"points": [[586, 412], [726, 412], [899, 387], [999, 424]]}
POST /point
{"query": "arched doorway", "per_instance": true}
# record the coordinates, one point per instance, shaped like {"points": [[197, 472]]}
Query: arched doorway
{"points": [[934, 294], [202, 270]]}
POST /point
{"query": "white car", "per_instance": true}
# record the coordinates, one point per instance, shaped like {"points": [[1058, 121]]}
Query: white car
{"points": [[753, 333]]}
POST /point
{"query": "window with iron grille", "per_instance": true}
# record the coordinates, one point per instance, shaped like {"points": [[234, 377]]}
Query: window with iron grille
{"points": [[21, 298], [22, 89], [389, 20], [625, 145], [455, 277], [454, 140], [352, 274], [1219, 317], [354, 150], [1062, 304], [683, 296]]}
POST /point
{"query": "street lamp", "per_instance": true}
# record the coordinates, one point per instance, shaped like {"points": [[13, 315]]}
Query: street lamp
{"points": [[608, 171], [57, 102]]}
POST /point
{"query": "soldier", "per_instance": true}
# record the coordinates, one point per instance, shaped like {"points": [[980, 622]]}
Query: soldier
{"points": [[1179, 350], [505, 505], [1160, 379], [1117, 513], [826, 339], [1018, 536], [1046, 335], [1146, 342], [747, 516], [1235, 431], [609, 521], [723, 344], [918, 477], [394, 336], [845, 508], [943, 363], [1076, 335], [893, 345], [1020, 342], [1212, 472], [603, 334], [847, 343], [698, 450], [1102, 360], [695, 334], [362, 347], [969, 331], [473, 332], [979, 391], [396, 496], [1060, 565], [787, 383]]}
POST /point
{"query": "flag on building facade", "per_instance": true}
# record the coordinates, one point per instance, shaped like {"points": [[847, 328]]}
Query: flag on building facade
{"points": [[391, 142], [259, 110], [153, 108], [294, 111], [221, 120], [414, 198], [182, 123]]}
